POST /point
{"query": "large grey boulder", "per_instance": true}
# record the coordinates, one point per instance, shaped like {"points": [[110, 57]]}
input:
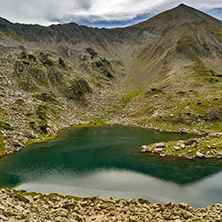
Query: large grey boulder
{"points": [[160, 145]]}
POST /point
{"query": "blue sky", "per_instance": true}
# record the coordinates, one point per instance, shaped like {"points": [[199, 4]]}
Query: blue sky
{"points": [[96, 13]]}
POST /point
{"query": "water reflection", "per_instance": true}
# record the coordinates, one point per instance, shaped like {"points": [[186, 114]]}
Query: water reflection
{"points": [[106, 162]]}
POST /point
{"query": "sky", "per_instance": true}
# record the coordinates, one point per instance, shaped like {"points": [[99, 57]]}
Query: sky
{"points": [[96, 13]]}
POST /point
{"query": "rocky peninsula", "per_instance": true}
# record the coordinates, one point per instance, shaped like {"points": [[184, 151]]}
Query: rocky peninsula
{"points": [[204, 147]]}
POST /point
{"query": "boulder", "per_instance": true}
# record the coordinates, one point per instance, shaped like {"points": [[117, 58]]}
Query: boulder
{"points": [[199, 154], [182, 145], [143, 149], [23, 198], [177, 148], [184, 205], [190, 141], [158, 150], [160, 145]]}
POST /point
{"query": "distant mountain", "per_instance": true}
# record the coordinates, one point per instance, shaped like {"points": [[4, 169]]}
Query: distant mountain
{"points": [[165, 73]]}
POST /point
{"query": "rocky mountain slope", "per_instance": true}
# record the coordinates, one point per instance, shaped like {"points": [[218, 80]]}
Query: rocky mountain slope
{"points": [[164, 73]]}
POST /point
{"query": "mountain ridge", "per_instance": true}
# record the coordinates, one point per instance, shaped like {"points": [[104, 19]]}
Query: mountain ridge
{"points": [[164, 73]]}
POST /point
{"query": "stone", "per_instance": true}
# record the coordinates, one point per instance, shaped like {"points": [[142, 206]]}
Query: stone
{"points": [[199, 154], [142, 201], [184, 205], [190, 141], [144, 149], [2, 207], [158, 150], [3, 218], [177, 148], [182, 145], [160, 145], [19, 208], [26, 199]]}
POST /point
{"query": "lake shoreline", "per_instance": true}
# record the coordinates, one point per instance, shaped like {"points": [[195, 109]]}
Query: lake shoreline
{"points": [[55, 207], [71, 128], [149, 148]]}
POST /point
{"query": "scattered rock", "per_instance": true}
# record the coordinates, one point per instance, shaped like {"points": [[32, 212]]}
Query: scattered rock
{"points": [[24, 198], [158, 150], [177, 148], [60, 208], [160, 145], [190, 141], [182, 145], [199, 154]]}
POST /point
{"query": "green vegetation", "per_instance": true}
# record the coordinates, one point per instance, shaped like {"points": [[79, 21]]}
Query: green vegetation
{"points": [[1, 145], [186, 45], [91, 124], [167, 17], [186, 24], [5, 126], [38, 120], [44, 58], [32, 57], [166, 29], [62, 63], [215, 31], [30, 137], [41, 140], [2, 112], [130, 96], [199, 67], [92, 52], [124, 101]]}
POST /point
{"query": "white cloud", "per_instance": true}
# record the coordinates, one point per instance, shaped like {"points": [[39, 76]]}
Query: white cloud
{"points": [[47, 12]]}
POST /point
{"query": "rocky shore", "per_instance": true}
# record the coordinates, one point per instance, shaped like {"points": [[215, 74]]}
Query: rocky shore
{"points": [[205, 147], [20, 206]]}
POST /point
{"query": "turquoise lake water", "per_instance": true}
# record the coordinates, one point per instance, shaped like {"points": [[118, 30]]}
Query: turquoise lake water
{"points": [[106, 161]]}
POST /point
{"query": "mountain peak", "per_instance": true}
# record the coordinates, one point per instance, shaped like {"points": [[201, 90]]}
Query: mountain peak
{"points": [[183, 6]]}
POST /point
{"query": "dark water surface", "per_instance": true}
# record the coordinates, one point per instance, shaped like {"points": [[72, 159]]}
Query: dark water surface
{"points": [[105, 161]]}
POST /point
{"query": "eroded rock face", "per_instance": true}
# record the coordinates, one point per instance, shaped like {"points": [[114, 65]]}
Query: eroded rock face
{"points": [[24, 207]]}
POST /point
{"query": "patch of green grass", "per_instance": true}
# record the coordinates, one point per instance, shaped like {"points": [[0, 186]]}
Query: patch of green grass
{"points": [[186, 45], [126, 99], [166, 29], [30, 137], [92, 52], [199, 67], [5, 126], [91, 124], [41, 140], [167, 17], [215, 31], [2, 112], [1, 145], [186, 24]]}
